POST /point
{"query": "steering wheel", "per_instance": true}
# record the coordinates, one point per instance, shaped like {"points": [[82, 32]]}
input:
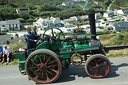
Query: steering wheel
{"points": [[53, 37]]}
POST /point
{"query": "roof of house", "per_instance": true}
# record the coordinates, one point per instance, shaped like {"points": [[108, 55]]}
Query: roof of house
{"points": [[9, 22], [125, 9], [109, 12], [121, 24], [2, 22], [98, 14], [69, 20], [67, 2], [22, 9], [12, 22]]}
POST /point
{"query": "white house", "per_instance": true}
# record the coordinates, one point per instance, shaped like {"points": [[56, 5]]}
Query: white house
{"points": [[82, 0], [123, 11], [70, 20], [68, 3], [55, 20], [47, 23], [108, 14], [18, 10], [126, 19], [98, 16], [10, 25]]}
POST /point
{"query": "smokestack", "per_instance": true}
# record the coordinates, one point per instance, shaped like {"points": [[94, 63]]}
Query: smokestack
{"points": [[91, 14]]}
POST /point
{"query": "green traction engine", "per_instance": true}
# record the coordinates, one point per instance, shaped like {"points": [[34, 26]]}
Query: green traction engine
{"points": [[56, 52]]}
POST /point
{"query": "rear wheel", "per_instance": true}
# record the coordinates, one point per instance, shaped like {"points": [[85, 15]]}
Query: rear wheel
{"points": [[43, 66], [97, 66]]}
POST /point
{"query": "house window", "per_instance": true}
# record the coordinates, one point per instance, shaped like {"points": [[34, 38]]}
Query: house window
{"points": [[16, 25], [9, 26], [44, 24], [3, 25]]}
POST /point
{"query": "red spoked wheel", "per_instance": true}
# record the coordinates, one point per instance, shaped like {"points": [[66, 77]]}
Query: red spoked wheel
{"points": [[97, 66], [43, 66]]}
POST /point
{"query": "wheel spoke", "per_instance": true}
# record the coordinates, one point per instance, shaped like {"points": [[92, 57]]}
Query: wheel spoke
{"points": [[35, 59], [40, 58], [42, 75], [95, 61], [53, 70], [96, 71], [49, 72], [36, 70], [44, 58], [101, 64], [32, 67], [33, 63], [52, 66], [102, 71], [37, 75], [91, 70], [48, 60], [47, 76], [51, 62], [92, 66]]}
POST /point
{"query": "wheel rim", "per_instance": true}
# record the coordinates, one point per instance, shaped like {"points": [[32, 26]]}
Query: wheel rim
{"points": [[98, 67], [43, 68]]}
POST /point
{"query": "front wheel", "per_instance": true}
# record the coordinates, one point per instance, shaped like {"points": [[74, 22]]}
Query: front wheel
{"points": [[43, 66], [97, 66]]}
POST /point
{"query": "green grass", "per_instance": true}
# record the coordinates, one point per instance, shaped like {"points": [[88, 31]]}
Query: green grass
{"points": [[13, 48], [12, 63], [16, 46], [117, 53]]}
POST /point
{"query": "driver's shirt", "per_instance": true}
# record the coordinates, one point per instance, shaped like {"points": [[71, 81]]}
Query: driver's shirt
{"points": [[35, 34], [29, 37]]}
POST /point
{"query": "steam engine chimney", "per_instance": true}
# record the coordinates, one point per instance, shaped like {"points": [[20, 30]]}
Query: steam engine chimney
{"points": [[91, 14]]}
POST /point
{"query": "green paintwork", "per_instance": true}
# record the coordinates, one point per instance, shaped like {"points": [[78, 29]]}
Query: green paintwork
{"points": [[22, 59], [65, 49], [44, 45]]}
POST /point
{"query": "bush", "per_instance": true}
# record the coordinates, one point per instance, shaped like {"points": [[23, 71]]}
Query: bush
{"points": [[119, 39], [3, 33], [103, 32], [21, 20], [104, 18], [30, 20]]}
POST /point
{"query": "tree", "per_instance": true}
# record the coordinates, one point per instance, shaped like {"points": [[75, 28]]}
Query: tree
{"points": [[21, 20], [3, 2], [46, 7], [30, 20], [104, 18], [24, 15], [31, 7]]}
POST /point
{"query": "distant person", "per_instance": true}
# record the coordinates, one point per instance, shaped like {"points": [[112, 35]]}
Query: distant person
{"points": [[30, 39], [7, 42], [6, 53], [1, 51], [34, 28], [17, 35]]}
